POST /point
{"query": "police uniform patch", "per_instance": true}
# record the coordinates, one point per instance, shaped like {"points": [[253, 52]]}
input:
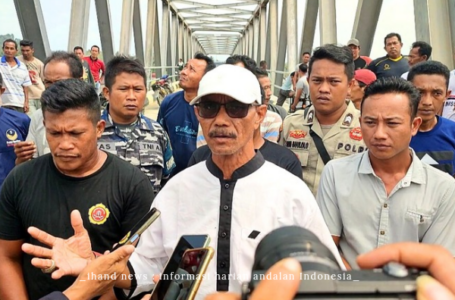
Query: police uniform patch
{"points": [[356, 134], [310, 117], [98, 214], [347, 120], [297, 134]]}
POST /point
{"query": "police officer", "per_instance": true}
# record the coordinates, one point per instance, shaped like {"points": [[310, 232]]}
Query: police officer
{"points": [[128, 134], [330, 128]]}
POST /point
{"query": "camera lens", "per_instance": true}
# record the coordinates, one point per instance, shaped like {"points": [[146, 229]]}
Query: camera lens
{"points": [[296, 242]]}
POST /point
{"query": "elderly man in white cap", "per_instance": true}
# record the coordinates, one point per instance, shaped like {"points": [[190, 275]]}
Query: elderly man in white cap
{"points": [[231, 196]]}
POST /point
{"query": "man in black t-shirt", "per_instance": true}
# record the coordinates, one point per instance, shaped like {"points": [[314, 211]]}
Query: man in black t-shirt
{"points": [[111, 194], [359, 62]]}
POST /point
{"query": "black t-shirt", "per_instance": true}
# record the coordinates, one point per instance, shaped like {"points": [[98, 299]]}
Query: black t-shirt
{"points": [[360, 63], [111, 201], [274, 153]]}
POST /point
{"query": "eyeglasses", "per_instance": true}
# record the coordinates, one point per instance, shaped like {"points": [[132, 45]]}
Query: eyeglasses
{"points": [[234, 109]]}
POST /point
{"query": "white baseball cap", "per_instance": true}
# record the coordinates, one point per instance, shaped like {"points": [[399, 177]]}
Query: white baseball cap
{"points": [[233, 81]]}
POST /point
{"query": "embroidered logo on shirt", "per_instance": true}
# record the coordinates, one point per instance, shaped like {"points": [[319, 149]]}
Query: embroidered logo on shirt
{"points": [[310, 117], [386, 67], [254, 234], [98, 214], [11, 135], [347, 120], [356, 134], [297, 134]]}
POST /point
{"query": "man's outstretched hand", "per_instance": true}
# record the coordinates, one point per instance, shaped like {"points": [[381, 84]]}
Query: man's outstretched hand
{"points": [[71, 256]]}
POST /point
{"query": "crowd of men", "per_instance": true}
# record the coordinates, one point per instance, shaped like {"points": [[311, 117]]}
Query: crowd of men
{"points": [[364, 158]]}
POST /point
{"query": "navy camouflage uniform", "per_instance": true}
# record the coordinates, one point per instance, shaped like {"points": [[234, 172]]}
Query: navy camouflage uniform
{"points": [[149, 149]]}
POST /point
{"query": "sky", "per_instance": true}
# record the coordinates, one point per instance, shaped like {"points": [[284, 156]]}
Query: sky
{"points": [[396, 16]]}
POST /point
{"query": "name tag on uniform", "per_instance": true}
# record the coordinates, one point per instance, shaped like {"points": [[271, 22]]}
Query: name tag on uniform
{"points": [[107, 146]]}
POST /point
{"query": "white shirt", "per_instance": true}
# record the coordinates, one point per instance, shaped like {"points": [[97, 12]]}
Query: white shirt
{"points": [[191, 203], [37, 134], [405, 75]]}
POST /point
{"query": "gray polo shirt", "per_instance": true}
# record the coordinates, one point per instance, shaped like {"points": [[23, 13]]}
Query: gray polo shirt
{"points": [[355, 206]]}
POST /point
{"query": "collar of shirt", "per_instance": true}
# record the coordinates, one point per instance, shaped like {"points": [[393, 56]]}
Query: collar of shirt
{"points": [[415, 173], [15, 58], [141, 123], [247, 169]]}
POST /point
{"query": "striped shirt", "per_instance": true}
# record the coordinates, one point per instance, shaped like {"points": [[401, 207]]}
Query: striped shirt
{"points": [[14, 80]]}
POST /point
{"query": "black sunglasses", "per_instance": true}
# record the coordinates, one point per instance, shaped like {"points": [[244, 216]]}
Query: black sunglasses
{"points": [[234, 109]]}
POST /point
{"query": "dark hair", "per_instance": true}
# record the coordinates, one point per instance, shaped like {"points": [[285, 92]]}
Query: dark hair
{"points": [[95, 47], [306, 52], [424, 48], [336, 54], [210, 64], [26, 43], [78, 48], [262, 63], [73, 62], [430, 68], [249, 63], [260, 73], [122, 64], [391, 35], [71, 94], [361, 84], [9, 41], [1, 80], [395, 85], [292, 74], [303, 68]]}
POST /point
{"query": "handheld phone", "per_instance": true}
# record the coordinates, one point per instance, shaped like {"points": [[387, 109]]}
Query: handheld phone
{"points": [[138, 228], [176, 263]]}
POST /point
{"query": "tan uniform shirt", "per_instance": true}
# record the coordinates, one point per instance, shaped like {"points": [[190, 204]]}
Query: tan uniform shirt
{"points": [[36, 72], [343, 139]]}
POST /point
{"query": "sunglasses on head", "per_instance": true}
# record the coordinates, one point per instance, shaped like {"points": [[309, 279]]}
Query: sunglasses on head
{"points": [[234, 109]]}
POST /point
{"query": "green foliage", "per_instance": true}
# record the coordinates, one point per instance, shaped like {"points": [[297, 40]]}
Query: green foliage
{"points": [[4, 37]]}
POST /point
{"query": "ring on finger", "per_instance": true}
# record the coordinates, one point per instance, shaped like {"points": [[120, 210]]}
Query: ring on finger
{"points": [[50, 269]]}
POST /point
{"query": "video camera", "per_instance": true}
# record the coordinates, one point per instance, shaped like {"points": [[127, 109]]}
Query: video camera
{"points": [[322, 277]]}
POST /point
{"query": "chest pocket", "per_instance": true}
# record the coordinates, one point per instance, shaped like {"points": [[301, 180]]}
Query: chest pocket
{"points": [[150, 153], [419, 220], [303, 157], [108, 147]]}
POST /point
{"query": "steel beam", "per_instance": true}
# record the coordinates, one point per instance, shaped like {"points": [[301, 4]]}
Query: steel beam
{"points": [[256, 36], [137, 30], [165, 35], [150, 33], [263, 34], [366, 20], [127, 27], [291, 24], [32, 25], [80, 13], [272, 38], [309, 26], [174, 41], [103, 13], [327, 21], [281, 48], [432, 23]]}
